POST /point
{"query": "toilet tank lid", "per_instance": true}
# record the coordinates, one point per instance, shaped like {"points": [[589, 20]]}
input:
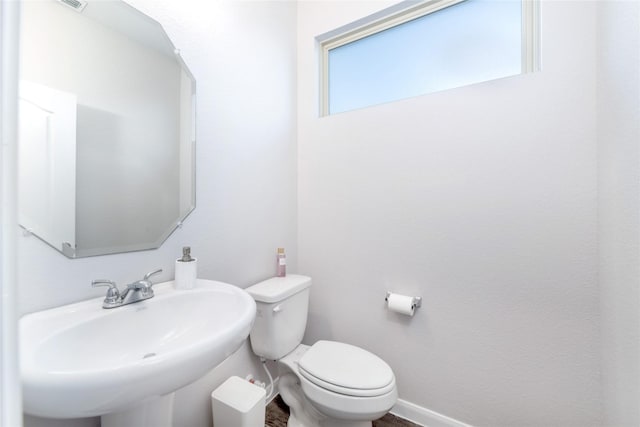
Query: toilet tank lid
{"points": [[277, 289]]}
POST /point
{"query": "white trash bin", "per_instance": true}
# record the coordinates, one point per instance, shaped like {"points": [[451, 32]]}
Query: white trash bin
{"points": [[238, 403]]}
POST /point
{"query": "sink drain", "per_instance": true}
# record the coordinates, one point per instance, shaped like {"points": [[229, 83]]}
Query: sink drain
{"points": [[148, 355]]}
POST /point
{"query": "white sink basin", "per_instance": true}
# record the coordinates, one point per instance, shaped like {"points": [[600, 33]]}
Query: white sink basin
{"points": [[81, 360]]}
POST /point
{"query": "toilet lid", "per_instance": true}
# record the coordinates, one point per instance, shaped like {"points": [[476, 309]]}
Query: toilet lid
{"points": [[346, 369]]}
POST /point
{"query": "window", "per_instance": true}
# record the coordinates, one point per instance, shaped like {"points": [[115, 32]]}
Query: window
{"points": [[436, 45]]}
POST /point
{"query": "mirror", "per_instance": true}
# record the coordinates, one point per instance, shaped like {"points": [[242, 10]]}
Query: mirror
{"points": [[107, 128]]}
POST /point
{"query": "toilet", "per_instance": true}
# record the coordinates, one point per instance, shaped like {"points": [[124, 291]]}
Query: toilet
{"points": [[328, 384]]}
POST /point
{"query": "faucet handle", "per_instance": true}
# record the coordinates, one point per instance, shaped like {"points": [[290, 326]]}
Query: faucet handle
{"points": [[112, 293], [151, 273], [104, 282]]}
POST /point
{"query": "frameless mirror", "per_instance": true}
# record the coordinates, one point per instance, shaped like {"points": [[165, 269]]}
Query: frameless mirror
{"points": [[107, 133]]}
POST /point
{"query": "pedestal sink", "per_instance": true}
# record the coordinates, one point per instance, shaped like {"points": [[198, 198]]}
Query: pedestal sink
{"points": [[81, 360]]}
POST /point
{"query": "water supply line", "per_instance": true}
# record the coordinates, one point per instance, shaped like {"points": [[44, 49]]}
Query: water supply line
{"points": [[264, 366]]}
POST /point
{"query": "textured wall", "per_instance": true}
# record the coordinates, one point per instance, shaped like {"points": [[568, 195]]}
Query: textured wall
{"points": [[482, 200], [246, 157], [619, 195], [242, 55]]}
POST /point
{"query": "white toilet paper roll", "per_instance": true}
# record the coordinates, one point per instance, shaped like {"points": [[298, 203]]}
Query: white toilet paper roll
{"points": [[401, 304]]}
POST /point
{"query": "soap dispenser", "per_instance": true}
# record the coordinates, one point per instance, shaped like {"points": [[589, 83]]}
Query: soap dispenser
{"points": [[186, 270]]}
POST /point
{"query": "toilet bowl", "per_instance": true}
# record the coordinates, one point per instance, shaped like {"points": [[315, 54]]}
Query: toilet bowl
{"points": [[345, 384], [328, 384]]}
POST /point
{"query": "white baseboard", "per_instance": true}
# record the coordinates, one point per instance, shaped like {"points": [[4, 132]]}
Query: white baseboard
{"points": [[423, 416]]}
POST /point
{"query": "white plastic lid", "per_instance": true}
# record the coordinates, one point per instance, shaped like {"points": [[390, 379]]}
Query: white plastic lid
{"points": [[278, 288], [239, 394], [346, 366]]}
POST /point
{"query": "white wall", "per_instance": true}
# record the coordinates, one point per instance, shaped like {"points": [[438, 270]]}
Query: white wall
{"points": [[482, 200], [619, 196], [10, 396], [242, 56]]}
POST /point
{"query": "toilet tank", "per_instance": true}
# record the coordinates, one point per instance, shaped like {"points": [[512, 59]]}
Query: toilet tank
{"points": [[281, 317]]}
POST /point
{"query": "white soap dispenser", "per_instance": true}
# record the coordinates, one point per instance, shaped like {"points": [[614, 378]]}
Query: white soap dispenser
{"points": [[186, 270]]}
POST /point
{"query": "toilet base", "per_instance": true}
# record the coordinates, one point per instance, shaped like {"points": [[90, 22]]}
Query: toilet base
{"points": [[302, 412], [331, 422]]}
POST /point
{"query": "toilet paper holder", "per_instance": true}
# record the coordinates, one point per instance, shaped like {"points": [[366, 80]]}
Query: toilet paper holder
{"points": [[415, 301]]}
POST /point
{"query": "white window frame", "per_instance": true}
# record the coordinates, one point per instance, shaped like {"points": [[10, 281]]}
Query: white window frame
{"points": [[410, 10]]}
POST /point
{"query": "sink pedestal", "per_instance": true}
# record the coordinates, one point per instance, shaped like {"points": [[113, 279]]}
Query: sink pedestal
{"points": [[156, 412]]}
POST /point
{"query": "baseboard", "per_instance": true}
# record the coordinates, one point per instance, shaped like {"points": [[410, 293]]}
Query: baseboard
{"points": [[423, 416]]}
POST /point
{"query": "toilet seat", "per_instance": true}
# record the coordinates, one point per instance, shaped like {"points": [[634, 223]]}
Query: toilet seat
{"points": [[346, 369]]}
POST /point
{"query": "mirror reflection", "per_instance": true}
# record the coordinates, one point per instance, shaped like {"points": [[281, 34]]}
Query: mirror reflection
{"points": [[106, 150]]}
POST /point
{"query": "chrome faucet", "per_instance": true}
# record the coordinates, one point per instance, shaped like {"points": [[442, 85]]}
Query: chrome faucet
{"points": [[137, 291]]}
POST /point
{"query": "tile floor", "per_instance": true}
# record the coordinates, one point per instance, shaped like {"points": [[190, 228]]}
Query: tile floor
{"points": [[278, 413]]}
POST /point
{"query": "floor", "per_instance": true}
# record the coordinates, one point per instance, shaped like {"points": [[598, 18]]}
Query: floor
{"points": [[278, 413]]}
